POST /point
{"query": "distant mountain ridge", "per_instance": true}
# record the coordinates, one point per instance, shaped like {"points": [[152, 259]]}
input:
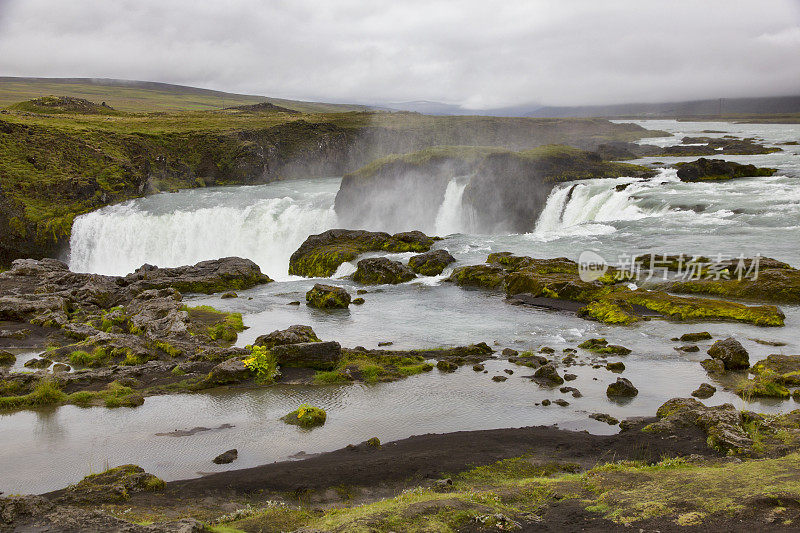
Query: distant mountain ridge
{"points": [[148, 96]]}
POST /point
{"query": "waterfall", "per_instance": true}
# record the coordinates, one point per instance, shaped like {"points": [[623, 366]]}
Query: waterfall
{"points": [[582, 208], [450, 217], [118, 239]]}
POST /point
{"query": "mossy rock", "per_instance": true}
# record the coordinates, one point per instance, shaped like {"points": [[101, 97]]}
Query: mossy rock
{"points": [[786, 368], [431, 263], [718, 170], [327, 297], [7, 358], [114, 485], [483, 276], [306, 416], [776, 283], [321, 255], [381, 270]]}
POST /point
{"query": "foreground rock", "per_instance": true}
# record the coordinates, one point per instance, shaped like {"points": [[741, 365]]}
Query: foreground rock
{"points": [[722, 424], [327, 297], [381, 270], [111, 328], [556, 283], [320, 255], [719, 170], [431, 263], [622, 388], [731, 353]]}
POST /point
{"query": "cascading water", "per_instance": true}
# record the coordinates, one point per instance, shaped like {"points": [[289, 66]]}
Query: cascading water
{"points": [[582, 208], [450, 218], [118, 239]]}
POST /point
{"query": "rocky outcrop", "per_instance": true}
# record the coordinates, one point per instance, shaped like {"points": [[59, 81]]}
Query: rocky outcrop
{"points": [[291, 335], [506, 190], [114, 485], [556, 283], [226, 457], [231, 371], [764, 280], [327, 297], [320, 255], [722, 424], [785, 369], [218, 275], [719, 170], [731, 353], [381, 270], [431, 263]]}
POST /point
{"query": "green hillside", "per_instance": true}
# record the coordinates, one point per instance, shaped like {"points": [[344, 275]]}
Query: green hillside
{"points": [[145, 96]]}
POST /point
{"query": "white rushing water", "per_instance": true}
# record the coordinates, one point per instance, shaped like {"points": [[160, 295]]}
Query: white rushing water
{"points": [[450, 217], [118, 239], [586, 208]]}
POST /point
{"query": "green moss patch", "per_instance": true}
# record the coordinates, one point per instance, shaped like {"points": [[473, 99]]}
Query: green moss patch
{"points": [[306, 416]]}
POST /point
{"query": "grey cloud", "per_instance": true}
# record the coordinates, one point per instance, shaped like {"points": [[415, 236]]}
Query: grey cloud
{"points": [[474, 53]]}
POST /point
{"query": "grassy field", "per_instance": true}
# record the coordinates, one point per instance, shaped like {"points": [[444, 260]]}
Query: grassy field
{"points": [[143, 97]]}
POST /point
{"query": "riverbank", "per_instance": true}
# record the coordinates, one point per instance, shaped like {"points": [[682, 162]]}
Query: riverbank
{"points": [[527, 479]]}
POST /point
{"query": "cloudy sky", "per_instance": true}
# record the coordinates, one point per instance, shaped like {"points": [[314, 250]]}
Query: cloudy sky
{"points": [[478, 54]]}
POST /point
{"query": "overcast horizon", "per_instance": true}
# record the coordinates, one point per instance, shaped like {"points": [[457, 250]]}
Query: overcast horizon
{"points": [[466, 53]]}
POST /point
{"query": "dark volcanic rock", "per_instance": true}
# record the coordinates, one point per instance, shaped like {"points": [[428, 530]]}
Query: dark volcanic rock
{"points": [[603, 417], [381, 270], [231, 371], [291, 335], [327, 297], [7, 358], [226, 457], [38, 363], [547, 375], [731, 353], [706, 390], [431, 263], [718, 170], [694, 337], [320, 355], [320, 255], [229, 273], [622, 388]]}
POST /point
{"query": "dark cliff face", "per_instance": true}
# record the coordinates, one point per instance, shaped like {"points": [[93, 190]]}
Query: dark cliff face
{"points": [[505, 191]]}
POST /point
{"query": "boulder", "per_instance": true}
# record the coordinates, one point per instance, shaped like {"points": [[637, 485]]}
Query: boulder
{"points": [[231, 371], [218, 275], [59, 368], [327, 297], [705, 390], [722, 424], [319, 355], [616, 367], [694, 337], [226, 457], [622, 388], [547, 375], [381, 270], [291, 335], [7, 358], [38, 363], [431, 263], [731, 353], [499, 378]]}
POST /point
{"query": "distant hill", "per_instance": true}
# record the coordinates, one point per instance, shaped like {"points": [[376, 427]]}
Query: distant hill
{"points": [[779, 105], [146, 96]]}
